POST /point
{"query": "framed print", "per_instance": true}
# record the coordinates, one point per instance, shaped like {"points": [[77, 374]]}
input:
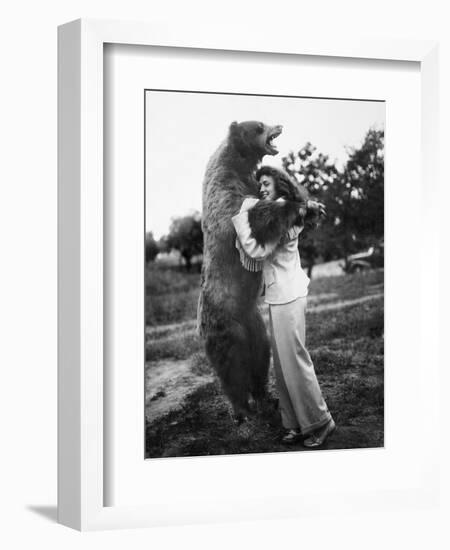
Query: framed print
{"points": [[157, 138]]}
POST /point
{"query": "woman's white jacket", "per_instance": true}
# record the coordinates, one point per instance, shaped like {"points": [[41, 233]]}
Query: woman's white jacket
{"points": [[284, 278]]}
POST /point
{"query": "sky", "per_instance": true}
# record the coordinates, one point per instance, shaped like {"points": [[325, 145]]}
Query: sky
{"points": [[184, 129]]}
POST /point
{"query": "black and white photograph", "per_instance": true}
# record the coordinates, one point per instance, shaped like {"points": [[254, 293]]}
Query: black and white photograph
{"points": [[264, 273]]}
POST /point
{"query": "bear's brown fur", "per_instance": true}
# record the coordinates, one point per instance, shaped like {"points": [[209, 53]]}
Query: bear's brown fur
{"points": [[234, 333]]}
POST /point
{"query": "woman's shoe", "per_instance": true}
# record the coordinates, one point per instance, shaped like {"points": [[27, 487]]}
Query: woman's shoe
{"points": [[319, 437], [291, 436]]}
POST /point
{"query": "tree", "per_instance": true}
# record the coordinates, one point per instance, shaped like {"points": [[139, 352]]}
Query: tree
{"points": [[314, 171], [364, 174], [186, 236], [356, 198], [151, 247], [353, 196]]}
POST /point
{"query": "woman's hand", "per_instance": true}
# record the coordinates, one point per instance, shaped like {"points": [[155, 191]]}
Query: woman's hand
{"points": [[317, 207]]}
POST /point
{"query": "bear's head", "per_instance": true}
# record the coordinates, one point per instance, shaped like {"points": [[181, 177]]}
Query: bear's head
{"points": [[253, 139]]}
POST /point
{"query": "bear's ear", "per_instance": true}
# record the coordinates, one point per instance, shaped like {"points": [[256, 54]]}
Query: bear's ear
{"points": [[234, 127], [237, 137]]}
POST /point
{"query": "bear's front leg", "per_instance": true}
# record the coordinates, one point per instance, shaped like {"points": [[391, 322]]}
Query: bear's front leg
{"points": [[270, 220]]}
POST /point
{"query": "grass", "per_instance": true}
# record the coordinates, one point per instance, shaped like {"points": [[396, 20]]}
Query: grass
{"points": [[345, 324], [181, 346], [171, 294]]}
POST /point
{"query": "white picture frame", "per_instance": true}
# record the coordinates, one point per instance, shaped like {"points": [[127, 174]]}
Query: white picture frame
{"points": [[81, 404]]}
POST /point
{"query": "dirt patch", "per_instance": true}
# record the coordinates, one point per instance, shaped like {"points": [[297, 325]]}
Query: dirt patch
{"points": [[167, 384], [163, 331], [345, 303]]}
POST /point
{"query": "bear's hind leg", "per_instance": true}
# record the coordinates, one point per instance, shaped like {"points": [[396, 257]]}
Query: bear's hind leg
{"points": [[259, 360], [228, 352]]}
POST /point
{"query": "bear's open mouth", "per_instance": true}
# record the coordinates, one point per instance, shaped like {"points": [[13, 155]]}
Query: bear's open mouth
{"points": [[273, 134]]}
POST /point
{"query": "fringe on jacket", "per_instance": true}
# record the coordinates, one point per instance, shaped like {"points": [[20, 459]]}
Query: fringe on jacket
{"points": [[250, 264]]}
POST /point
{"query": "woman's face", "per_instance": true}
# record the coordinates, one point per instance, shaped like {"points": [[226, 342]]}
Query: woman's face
{"points": [[267, 190]]}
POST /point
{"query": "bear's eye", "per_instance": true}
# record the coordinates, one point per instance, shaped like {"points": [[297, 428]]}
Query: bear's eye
{"points": [[260, 128]]}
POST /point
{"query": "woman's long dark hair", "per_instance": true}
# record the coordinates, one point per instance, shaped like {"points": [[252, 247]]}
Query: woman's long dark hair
{"points": [[285, 186]]}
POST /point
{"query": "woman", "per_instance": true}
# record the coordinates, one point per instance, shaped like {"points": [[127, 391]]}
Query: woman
{"points": [[304, 412]]}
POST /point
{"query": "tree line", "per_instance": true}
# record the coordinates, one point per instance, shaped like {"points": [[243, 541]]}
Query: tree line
{"points": [[185, 235], [353, 195]]}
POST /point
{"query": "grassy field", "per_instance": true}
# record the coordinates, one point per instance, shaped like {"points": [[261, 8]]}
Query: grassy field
{"points": [[186, 412]]}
